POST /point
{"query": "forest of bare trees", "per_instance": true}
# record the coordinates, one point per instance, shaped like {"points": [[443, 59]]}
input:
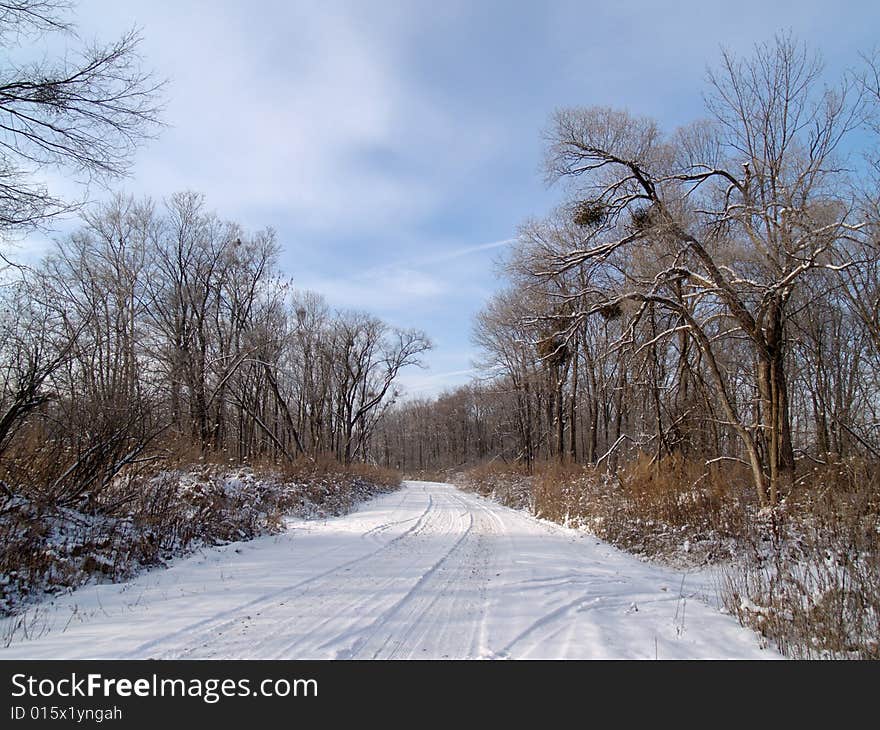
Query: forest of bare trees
{"points": [[685, 359], [710, 292], [164, 326]]}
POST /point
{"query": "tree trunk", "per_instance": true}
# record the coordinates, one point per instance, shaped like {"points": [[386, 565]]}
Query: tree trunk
{"points": [[572, 408], [560, 418]]}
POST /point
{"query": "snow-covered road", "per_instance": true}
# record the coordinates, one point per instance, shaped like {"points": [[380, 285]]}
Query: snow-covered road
{"points": [[424, 572]]}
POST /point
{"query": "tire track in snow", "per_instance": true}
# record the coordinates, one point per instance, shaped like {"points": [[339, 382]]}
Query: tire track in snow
{"points": [[436, 603], [322, 600], [367, 633], [356, 602], [354, 607], [472, 572], [210, 625]]}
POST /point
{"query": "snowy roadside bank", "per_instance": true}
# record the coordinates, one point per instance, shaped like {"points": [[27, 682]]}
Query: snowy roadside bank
{"points": [[804, 575], [49, 550]]}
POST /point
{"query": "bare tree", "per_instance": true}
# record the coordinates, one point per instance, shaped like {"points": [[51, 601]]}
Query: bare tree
{"points": [[734, 213], [34, 343], [367, 358], [85, 114]]}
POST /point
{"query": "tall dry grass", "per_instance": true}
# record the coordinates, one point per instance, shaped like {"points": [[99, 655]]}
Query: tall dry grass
{"points": [[806, 575], [809, 575], [505, 482], [651, 508]]}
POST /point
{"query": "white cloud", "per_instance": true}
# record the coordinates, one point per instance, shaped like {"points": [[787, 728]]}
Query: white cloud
{"points": [[458, 253], [400, 286], [380, 288], [280, 110]]}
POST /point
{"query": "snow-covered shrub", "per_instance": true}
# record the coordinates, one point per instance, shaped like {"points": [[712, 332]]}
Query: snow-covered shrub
{"points": [[507, 483], [808, 576], [149, 519]]}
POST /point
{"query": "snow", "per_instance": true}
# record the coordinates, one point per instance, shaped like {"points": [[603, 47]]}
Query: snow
{"points": [[424, 572]]}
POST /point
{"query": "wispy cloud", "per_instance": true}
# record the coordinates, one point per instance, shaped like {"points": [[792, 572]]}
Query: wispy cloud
{"points": [[402, 285], [379, 288], [465, 251]]}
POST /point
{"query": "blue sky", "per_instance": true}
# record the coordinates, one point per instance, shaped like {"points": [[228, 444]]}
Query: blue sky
{"points": [[396, 146]]}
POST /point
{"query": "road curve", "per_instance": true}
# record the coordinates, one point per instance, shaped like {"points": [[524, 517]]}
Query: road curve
{"points": [[425, 572]]}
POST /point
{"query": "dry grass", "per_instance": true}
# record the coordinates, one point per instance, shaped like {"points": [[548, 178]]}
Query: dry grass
{"points": [[509, 484], [674, 509], [805, 575], [432, 475], [335, 486], [809, 578]]}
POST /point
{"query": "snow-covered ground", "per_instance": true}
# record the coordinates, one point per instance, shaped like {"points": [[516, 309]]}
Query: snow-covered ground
{"points": [[424, 572]]}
